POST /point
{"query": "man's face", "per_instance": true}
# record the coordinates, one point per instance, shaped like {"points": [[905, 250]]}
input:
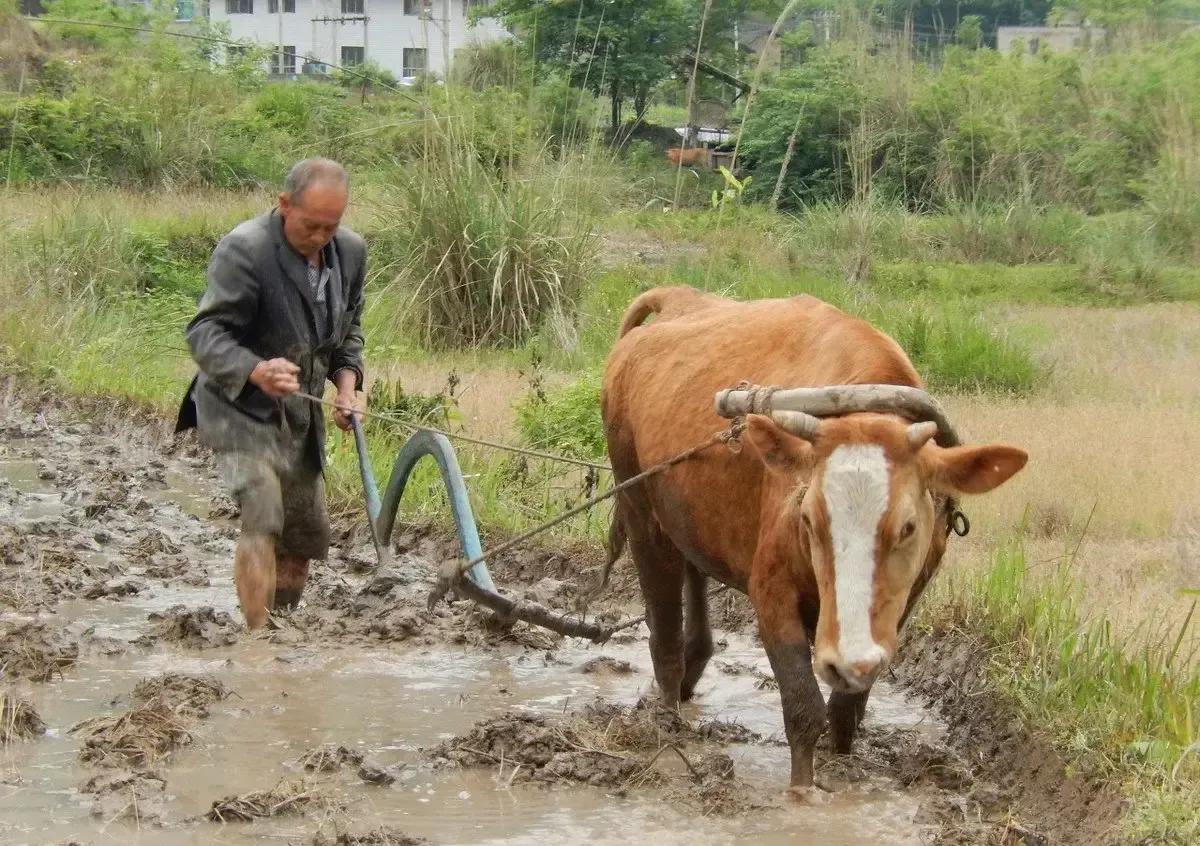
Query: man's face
{"points": [[311, 219]]}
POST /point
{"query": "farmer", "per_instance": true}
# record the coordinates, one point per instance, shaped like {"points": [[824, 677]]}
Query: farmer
{"points": [[282, 313]]}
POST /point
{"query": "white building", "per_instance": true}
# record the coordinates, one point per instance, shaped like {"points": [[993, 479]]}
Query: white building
{"points": [[1036, 39], [407, 37]]}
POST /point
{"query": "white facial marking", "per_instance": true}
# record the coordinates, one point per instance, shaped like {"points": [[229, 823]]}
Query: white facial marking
{"points": [[856, 497]]}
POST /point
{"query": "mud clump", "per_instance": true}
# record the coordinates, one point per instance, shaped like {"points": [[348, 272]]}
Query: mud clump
{"points": [[34, 651], [135, 739], [373, 773], [335, 835], [606, 665], [926, 763], [1017, 776], [121, 794], [115, 589], [18, 719], [285, 798], [609, 745], [329, 758], [198, 628], [184, 695]]}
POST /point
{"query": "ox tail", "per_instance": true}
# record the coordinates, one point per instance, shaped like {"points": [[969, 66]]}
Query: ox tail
{"points": [[645, 305], [668, 301], [615, 548]]}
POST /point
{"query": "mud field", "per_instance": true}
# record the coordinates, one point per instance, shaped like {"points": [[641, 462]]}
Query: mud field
{"points": [[135, 709]]}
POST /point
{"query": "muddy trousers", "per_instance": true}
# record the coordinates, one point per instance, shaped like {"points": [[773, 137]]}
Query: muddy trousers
{"points": [[285, 524]]}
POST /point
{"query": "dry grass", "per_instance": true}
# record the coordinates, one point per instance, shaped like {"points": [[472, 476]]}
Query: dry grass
{"points": [[329, 758], [485, 394], [285, 798], [1112, 442], [18, 719], [136, 738], [186, 696], [336, 834], [34, 651]]}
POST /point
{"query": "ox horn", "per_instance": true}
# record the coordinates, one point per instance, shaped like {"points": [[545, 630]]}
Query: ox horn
{"points": [[797, 423], [912, 403]]}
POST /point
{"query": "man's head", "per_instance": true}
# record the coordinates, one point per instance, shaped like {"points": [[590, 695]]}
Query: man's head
{"points": [[314, 198]]}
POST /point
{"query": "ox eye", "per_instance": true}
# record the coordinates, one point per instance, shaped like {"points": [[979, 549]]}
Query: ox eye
{"points": [[907, 531]]}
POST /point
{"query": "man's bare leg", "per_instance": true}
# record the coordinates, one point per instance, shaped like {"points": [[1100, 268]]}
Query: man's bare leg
{"points": [[254, 576], [291, 577]]}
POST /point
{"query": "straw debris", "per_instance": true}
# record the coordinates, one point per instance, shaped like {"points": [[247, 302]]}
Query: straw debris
{"points": [[184, 695], [135, 739], [285, 798], [18, 719], [34, 651]]}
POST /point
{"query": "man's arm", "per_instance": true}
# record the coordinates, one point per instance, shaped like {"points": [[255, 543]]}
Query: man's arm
{"points": [[227, 309], [346, 363], [349, 354]]}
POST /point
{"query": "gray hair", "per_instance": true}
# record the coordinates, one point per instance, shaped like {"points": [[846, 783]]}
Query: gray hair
{"points": [[310, 172]]}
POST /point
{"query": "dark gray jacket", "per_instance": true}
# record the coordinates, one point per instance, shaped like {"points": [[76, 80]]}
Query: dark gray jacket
{"points": [[258, 306]]}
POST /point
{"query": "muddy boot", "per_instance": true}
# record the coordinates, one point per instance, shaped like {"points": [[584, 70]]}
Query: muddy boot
{"points": [[254, 576], [291, 575]]}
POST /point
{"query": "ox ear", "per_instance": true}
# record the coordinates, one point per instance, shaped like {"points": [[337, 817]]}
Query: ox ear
{"points": [[974, 469], [779, 451]]}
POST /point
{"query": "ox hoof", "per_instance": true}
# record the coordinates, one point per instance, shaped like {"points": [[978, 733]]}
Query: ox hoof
{"points": [[807, 795]]}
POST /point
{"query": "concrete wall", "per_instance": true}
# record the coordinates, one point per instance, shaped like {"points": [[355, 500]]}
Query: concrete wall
{"points": [[385, 36], [1039, 38]]}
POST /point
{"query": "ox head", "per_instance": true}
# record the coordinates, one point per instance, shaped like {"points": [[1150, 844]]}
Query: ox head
{"points": [[863, 514]]}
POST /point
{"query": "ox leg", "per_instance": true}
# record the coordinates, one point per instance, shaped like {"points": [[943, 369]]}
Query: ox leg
{"points": [[845, 713], [777, 605], [660, 571], [698, 646]]}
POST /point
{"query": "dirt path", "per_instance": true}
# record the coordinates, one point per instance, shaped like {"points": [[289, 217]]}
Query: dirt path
{"points": [[148, 716]]}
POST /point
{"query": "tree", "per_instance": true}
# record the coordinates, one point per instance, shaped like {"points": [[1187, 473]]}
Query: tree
{"points": [[935, 18], [969, 32], [614, 48]]}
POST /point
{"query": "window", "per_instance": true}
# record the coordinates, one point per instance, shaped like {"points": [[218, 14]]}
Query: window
{"points": [[185, 10], [417, 7], [352, 57], [289, 7], [285, 61], [416, 61], [236, 52], [239, 7], [353, 7]]}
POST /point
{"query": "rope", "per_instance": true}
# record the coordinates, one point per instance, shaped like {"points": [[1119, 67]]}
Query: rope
{"points": [[421, 427], [453, 571]]}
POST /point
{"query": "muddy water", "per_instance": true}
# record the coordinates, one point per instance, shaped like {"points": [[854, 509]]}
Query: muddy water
{"points": [[389, 702]]}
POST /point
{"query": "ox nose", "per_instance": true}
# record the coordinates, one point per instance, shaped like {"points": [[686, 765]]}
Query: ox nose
{"points": [[850, 676]]}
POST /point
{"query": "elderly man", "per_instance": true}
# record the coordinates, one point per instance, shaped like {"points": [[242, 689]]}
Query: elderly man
{"points": [[282, 313]]}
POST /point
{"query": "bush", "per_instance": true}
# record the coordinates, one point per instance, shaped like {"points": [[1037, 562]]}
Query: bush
{"points": [[565, 421], [1097, 132], [495, 64], [493, 253], [955, 352]]}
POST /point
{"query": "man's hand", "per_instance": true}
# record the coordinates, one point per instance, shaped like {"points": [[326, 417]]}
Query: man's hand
{"points": [[348, 403], [276, 378]]}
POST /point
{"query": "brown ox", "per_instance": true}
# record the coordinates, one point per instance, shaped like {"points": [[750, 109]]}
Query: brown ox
{"points": [[697, 156], [832, 526]]}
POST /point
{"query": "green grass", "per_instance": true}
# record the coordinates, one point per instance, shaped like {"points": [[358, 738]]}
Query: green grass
{"points": [[1123, 708]]}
